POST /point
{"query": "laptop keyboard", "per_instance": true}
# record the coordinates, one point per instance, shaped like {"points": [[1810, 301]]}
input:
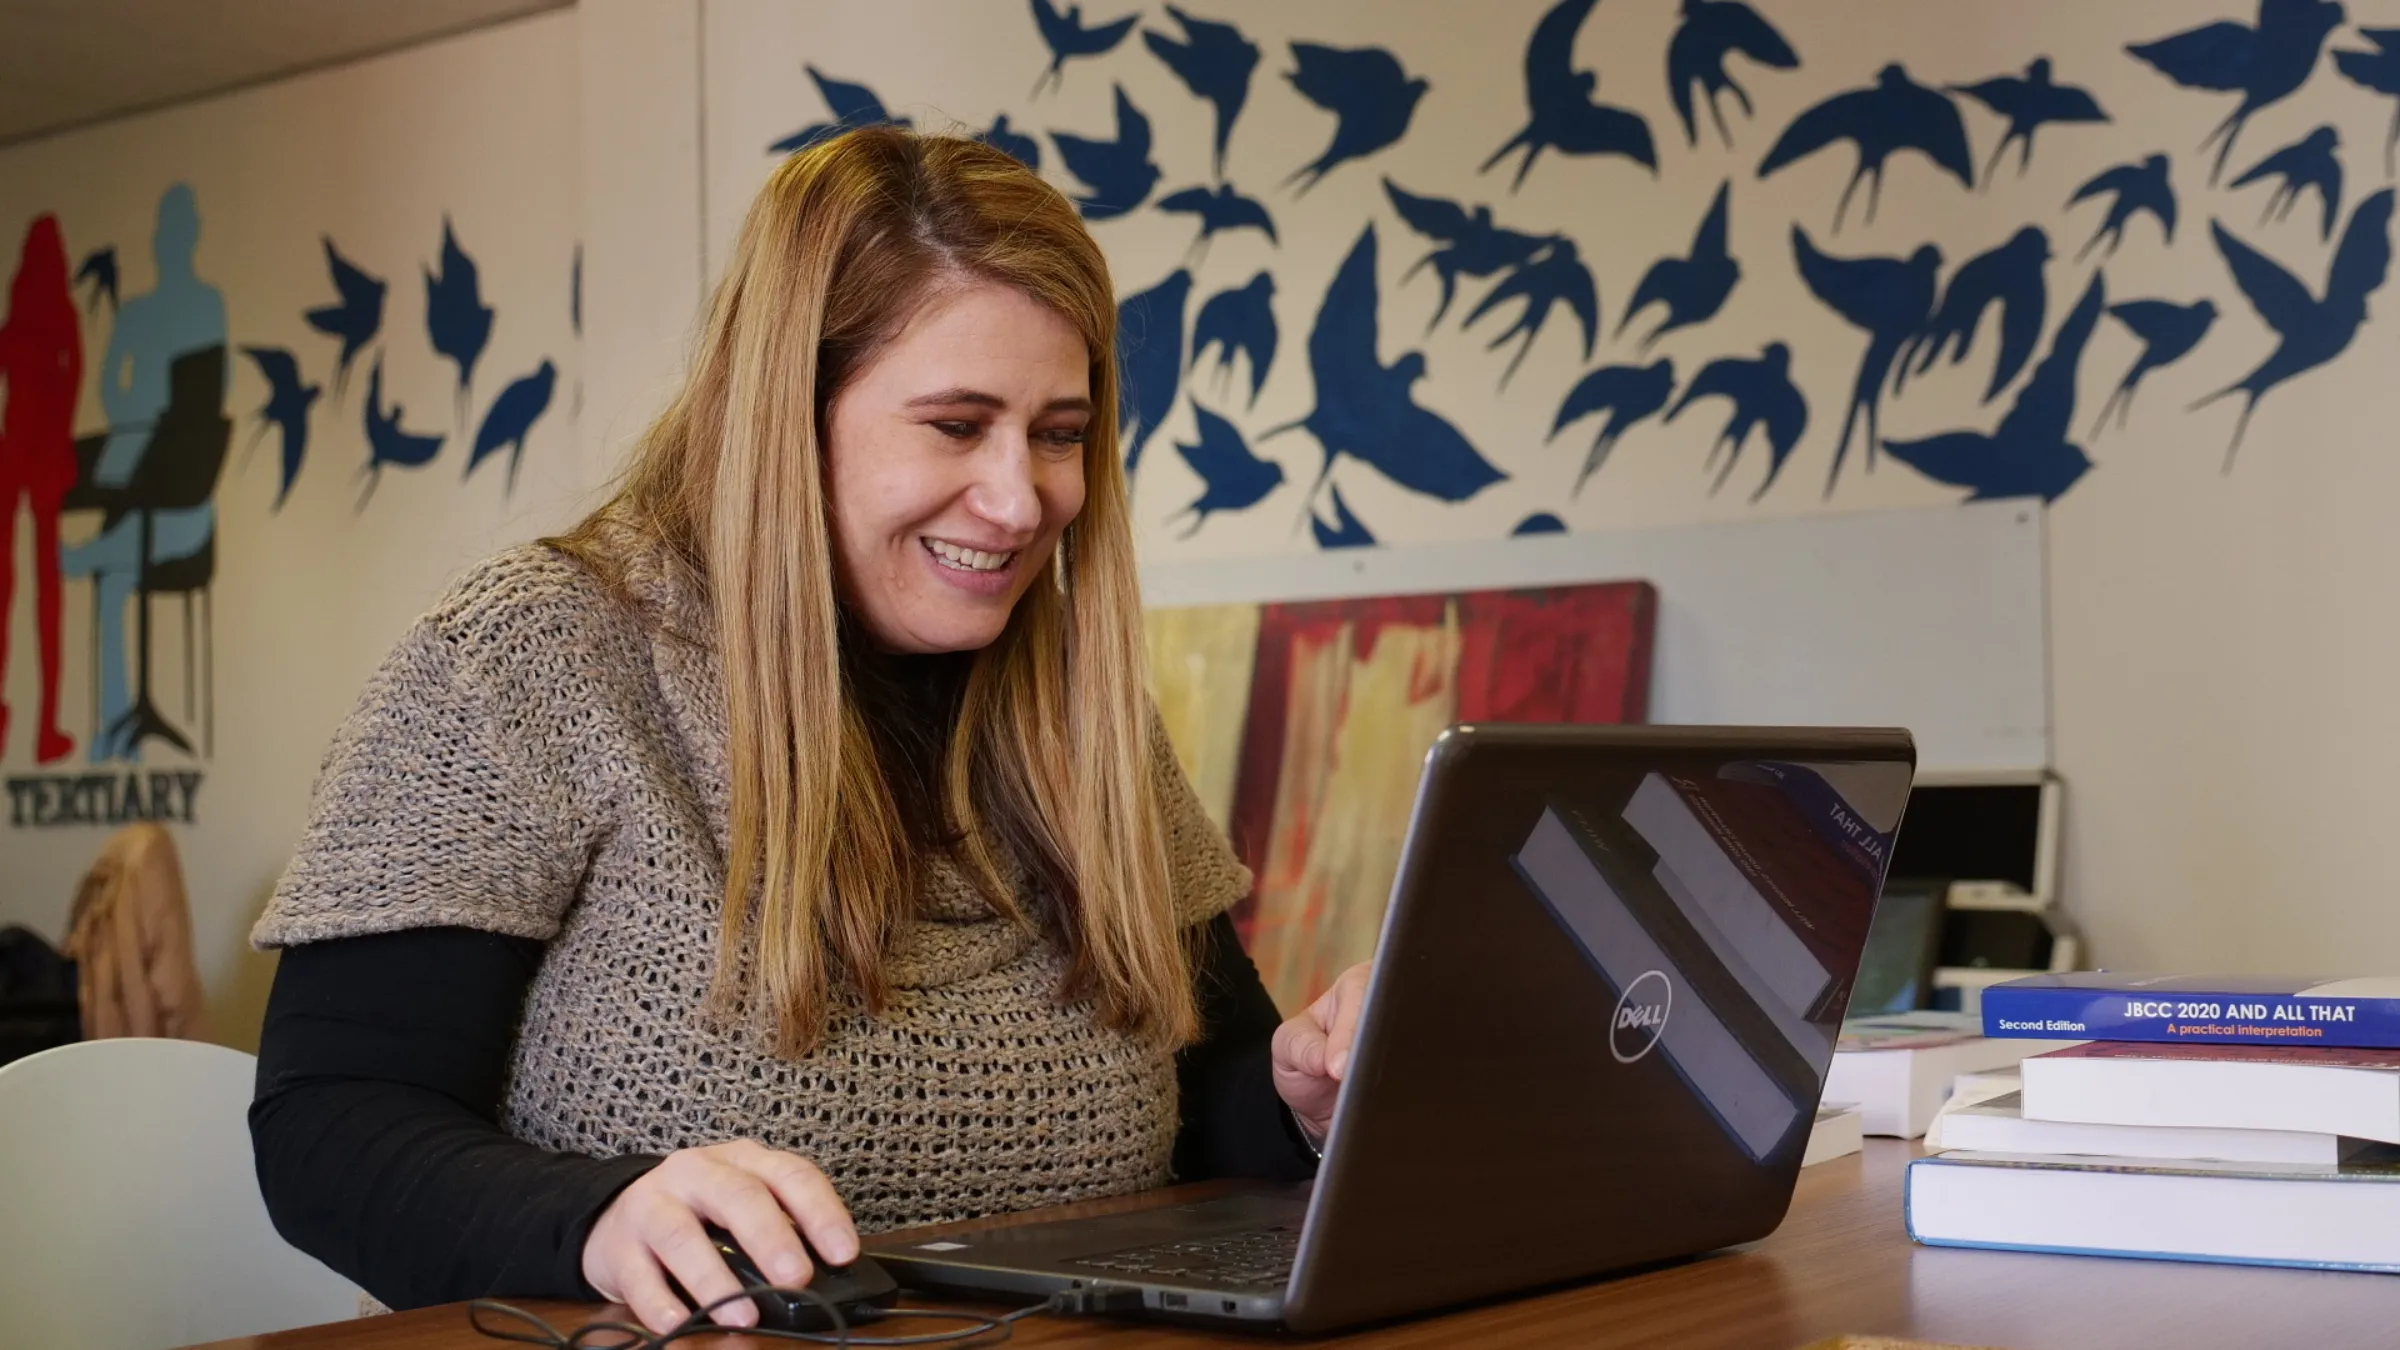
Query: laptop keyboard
{"points": [[1252, 1258]]}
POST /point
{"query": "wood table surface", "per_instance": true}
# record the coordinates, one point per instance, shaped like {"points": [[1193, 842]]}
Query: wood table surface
{"points": [[1841, 1264]]}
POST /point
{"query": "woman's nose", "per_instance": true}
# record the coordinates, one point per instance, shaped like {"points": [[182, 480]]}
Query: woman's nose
{"points": [[1004, 492]]}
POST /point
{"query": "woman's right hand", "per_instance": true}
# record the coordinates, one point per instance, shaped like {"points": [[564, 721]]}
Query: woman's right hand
{"points": [[653, 1230]]}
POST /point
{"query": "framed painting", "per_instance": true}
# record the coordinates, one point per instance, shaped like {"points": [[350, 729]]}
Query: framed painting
{"points": [[1303, 725]]}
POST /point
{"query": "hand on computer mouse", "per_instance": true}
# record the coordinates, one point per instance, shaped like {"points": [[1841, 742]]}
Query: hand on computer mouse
{"points": [[655, 1229], [1312, 1050], [859, 1289]]}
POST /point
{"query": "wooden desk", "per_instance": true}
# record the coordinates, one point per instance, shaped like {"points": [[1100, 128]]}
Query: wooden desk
{"points": [[1841, 1263]]}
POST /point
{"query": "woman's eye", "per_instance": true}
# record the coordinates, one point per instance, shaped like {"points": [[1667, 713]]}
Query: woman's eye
{"points": [[957, 431], [1065, 438]]}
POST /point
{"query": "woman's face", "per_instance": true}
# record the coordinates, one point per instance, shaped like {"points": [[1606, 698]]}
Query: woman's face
{"points": [[955, 460]]}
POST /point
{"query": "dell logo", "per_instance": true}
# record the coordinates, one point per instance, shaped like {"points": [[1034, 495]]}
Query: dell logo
{"points": [[1641, 1016]]}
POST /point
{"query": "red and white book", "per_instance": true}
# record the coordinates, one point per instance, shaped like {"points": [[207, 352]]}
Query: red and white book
{"points": [[2310, 1090]]}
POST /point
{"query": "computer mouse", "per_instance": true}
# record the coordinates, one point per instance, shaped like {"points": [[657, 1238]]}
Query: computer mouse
{"points": [[861, 1289]]}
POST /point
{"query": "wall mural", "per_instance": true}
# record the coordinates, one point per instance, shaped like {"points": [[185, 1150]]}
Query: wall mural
{"points": [[128, 507], [1198, 346]]}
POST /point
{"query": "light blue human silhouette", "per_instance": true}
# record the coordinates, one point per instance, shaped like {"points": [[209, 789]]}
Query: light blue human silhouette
{"points": [[181, 314]]}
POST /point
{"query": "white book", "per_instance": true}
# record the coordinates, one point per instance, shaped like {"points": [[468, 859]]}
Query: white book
{"points": [[2344, 1217], [1998, 1126], [1836, 1134], [2309, 1090], [1899, 1069], [1966, 1090]]}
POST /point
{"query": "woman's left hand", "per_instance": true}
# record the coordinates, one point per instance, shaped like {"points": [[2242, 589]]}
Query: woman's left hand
{"points": [[1312, 1050]]}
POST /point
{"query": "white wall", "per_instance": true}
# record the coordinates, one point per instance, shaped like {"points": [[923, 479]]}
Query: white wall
{"points": [[482, 129], [644, 273]]}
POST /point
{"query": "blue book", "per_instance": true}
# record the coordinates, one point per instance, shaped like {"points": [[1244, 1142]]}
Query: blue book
{"points": [[2104, 1005]]}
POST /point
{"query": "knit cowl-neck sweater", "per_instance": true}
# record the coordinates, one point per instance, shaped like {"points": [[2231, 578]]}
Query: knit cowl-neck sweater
{"points": [[542, 759]]}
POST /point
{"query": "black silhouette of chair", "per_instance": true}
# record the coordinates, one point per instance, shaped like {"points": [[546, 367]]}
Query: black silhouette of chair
{"points": [[192, 575], [178, 471]]}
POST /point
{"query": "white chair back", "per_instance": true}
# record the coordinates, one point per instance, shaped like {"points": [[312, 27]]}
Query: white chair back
{"points": [[130, 1217]]}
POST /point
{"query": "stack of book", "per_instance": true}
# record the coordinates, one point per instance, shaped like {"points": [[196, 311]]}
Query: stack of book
{"points": [[2214, 1119], [1899, 1068]]}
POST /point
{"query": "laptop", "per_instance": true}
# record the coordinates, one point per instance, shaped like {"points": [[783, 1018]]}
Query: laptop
{"points": [[1606, 992]]}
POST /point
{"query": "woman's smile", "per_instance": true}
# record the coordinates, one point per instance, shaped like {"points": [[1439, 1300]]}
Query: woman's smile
{"points": [[978, 571]]}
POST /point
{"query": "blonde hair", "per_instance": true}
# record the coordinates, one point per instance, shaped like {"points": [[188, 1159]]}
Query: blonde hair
{"points": [[1050, 755]]}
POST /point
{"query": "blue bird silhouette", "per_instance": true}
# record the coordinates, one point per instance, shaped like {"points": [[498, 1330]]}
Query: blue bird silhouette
{"points": [[2029, 102], [1345, 531], [2029, 455], [511, 416], [2131, 189], [1540, 522], [1628, 394], [1762, 394], [1371, 97], [2379, 71], [1554, 277], [1472, 245], [387, 441], [289, 398], [1239, 320], [455, 316], [1232, 478], [1149, 360], [1118, 173], [1893, 114], [1215, 62], [2009, 276], [355, 318], [100, 269], [1892, 300], [852, 106], [2168, 332], [1692, 288], [2265, 62], [1015, 144], [1368, 410], [1561, 115], [1219, 210], [1713, 30], [2305, 163], [2313, 331], [1066, 37]]}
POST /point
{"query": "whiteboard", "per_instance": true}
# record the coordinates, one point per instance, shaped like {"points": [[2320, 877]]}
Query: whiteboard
{"points": [[1931, 619]]}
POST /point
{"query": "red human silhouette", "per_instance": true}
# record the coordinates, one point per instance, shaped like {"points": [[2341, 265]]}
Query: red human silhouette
{"points": [[41, 359]]}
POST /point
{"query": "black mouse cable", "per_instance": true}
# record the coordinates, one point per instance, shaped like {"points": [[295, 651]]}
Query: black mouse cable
{"points": [[1066, 1302]]}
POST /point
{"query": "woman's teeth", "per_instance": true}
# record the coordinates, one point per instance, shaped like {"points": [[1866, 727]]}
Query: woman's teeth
{"points": [[967, 559]]}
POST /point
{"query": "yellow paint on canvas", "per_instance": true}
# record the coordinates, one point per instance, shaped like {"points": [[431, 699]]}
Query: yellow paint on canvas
{"points": [[1356, 731], [1200, 665]]}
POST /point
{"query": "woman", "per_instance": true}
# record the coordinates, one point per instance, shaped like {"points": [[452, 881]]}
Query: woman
{"points": [[41, 361], [792, 842]]}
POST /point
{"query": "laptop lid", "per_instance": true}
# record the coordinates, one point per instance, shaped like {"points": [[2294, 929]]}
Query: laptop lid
{"points": [[1606, 993]]}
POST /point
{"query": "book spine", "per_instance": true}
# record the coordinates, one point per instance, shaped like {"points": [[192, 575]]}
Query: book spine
{"points": [[2205, 1019]]}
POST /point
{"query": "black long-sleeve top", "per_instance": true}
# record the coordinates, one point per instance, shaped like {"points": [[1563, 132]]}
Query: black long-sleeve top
{"points": [[380, 1152]]}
